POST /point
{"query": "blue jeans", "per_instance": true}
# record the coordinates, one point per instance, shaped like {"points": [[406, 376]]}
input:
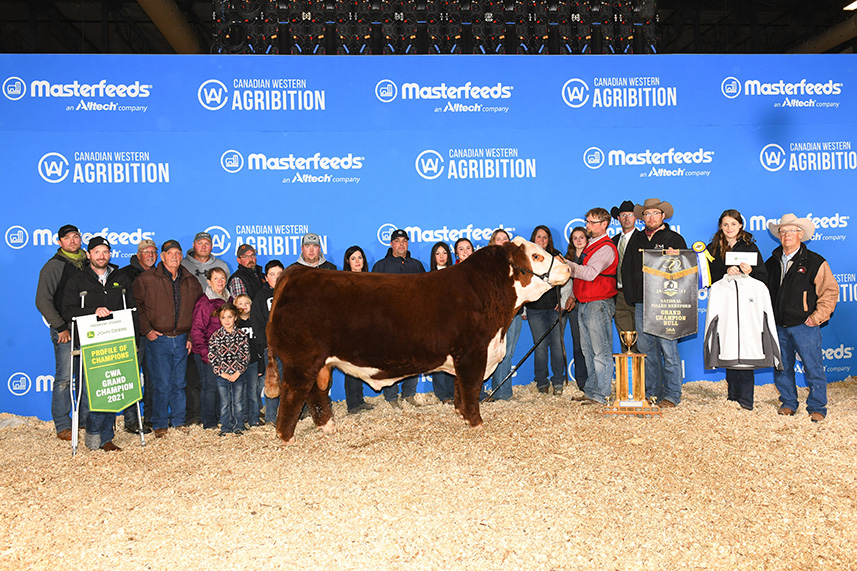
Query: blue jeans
{"points": [[580, 371], [271, 404], [505, 366], [409, 389], [209, 408], [443, 385], [253, 394], [540, 320], [595, 319], [167, 366], [60, 397], [99, 429], [806, 342], [231, 403], [663, 363]]}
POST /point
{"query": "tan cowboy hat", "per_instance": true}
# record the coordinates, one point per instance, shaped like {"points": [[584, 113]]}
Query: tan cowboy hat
{"points": [[656, 203], [790, 219]]}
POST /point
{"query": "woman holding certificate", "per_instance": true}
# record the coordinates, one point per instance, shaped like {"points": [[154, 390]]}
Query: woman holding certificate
{"points": [[733, 253]]}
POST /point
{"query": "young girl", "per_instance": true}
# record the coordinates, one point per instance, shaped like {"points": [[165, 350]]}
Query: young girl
{"points": [[255, 383], [229, 355]]}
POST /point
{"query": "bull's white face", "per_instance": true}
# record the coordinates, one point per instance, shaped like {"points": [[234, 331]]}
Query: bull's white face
{"points": [[541, 263]]}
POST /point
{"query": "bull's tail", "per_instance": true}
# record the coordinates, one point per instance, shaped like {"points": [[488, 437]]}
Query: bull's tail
{"points": [[272, 376]]}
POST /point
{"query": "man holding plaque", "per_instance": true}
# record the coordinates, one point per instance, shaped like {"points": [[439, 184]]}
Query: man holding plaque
{"points": [[103, 289], [804, 294], [663, 364], [595, 290]]}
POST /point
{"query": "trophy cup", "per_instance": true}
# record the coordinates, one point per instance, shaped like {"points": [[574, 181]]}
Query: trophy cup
{"points": [[628, 339], [631, 396]]}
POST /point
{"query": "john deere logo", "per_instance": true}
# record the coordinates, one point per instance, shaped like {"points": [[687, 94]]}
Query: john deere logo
{"points": [[90, 334]]}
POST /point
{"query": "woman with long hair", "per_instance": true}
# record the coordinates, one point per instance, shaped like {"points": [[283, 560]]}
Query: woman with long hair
{"points": [[731, 237], [463, 248], [576, 243], [442, 383], [541, 315], [355, 261], [498, 238]]}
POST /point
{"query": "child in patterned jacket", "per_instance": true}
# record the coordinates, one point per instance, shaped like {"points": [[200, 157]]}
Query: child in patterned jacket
{"points": [[229, 355]]}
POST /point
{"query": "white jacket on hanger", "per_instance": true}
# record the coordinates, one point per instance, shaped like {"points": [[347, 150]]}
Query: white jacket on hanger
{"points": [[740, 332]]}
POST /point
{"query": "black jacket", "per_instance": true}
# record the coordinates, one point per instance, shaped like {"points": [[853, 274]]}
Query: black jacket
{"points": [[796, 297], [252, 279], [718, 266], [632, 263], [116, 294], [391, 264]]}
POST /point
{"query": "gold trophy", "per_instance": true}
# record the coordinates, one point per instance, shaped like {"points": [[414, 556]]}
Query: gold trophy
{"points": [[631, 396], [628, 339]]}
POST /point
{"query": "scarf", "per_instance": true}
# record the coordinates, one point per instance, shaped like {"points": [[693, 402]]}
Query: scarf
{"points": [[77, 259]]}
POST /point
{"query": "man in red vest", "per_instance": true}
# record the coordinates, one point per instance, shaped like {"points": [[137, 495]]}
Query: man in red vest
{"points": [[595, 289]]}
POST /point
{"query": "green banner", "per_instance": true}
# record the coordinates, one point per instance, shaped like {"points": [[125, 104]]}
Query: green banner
{"points": [[109, 356]]}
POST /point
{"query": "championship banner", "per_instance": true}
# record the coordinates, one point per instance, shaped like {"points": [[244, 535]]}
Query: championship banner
{"points": [[110, 361], [670, 293]]}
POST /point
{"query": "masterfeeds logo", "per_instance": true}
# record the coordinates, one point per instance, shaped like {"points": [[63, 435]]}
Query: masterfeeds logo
{"points": [[19, 384], [221, 241], [53, 167], [17, 237], [14, 88], [809, 156], [232, 161], [43, 88], [593, 157], [212, 95], [260, 161], [730, 87], [445, 233], [386, 91], [466, 91], [48, 237], [823, 223], [385, 232], [803, 93]]}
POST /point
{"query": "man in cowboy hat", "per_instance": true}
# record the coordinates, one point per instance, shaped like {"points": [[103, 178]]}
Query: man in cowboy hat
{"points": [[804, 294], [663, 364], [624, 316]]}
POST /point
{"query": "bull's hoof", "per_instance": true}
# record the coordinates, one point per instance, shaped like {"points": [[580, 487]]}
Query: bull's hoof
{"points": [[329, 427], [286, 441], [272, 393]]}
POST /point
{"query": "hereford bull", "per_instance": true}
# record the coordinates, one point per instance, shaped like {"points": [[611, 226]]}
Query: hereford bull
{"points": [[382, 328]]}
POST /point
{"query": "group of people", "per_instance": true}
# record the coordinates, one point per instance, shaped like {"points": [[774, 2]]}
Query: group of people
{"points": [[608, 286], [190, 303]]}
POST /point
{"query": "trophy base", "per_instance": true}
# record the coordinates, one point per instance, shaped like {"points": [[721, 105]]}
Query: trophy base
{"points": [[633, 408]]}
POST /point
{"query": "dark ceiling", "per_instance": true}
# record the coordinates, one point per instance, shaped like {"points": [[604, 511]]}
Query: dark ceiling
{"points": [[683, 26]]}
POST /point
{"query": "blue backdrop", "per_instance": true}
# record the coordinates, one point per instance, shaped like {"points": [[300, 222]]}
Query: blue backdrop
{"points": [[263, 149]]}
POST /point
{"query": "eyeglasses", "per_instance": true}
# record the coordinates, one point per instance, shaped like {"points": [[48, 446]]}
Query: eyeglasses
{"points": [[651, 214], [787, 232], [248, 255], [590, 222]]}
